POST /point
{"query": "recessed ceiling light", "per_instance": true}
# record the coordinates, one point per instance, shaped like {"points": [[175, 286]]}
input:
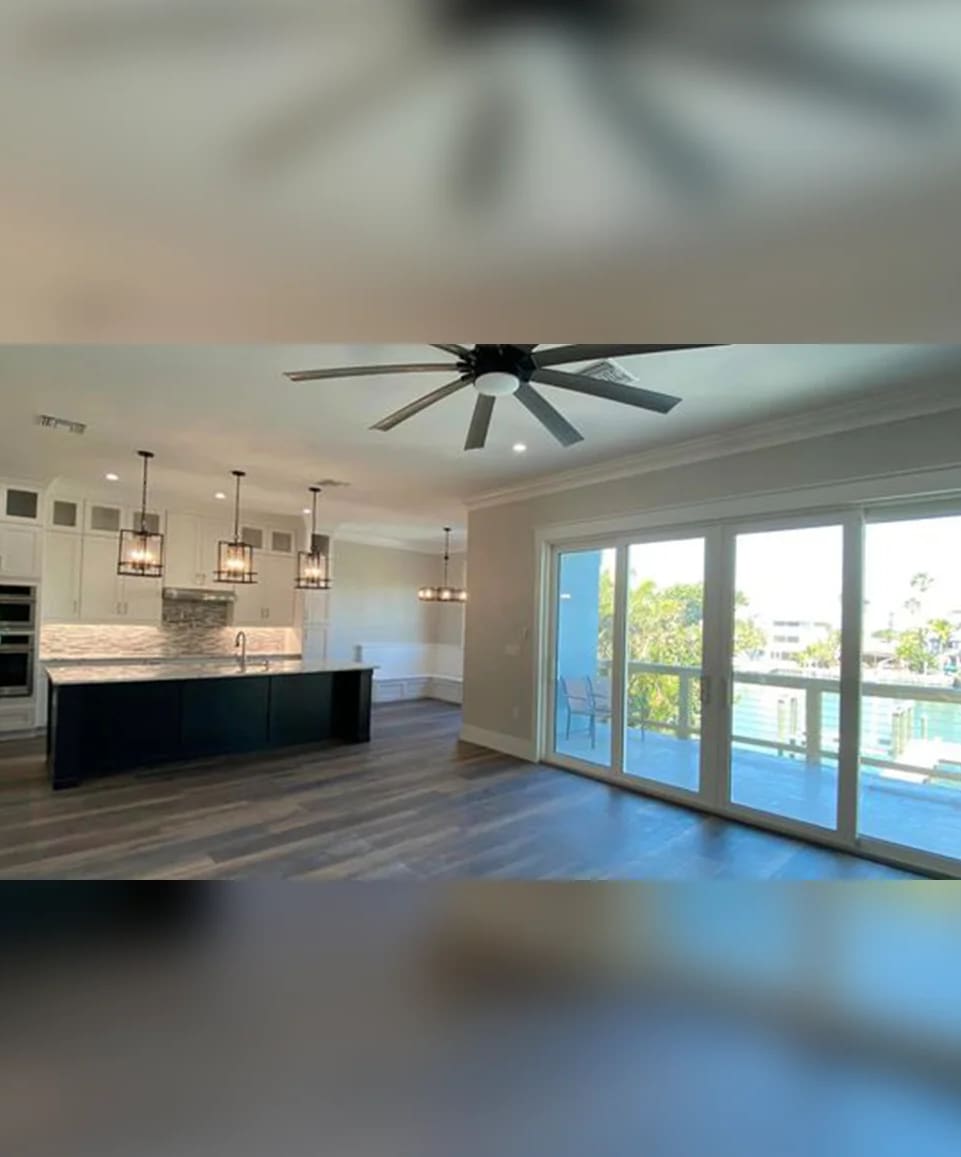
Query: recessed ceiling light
{"points": [[519, 448], [306, 510], [113, 477], [220, 496]]}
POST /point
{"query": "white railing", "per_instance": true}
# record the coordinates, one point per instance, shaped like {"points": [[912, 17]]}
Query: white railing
{"points": [[807, 741]]}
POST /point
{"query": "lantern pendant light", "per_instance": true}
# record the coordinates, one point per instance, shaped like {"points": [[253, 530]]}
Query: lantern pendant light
{"points": [[141, 551], [235, 560], [445, 593], [313, 566]]}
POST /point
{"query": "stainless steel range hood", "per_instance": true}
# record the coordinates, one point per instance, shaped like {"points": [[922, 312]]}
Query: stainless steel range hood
{"points": [[197, 595]]}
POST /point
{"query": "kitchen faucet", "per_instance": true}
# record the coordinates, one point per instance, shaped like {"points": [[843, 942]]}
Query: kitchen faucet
{"points": [[241, 642]]}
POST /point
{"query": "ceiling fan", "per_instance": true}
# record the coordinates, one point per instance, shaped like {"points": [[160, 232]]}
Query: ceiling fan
{"points": [[754, 41], [502, 371]]}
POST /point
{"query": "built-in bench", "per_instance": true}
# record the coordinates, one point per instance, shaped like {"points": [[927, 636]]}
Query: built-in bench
{"points": [[414, 670]]}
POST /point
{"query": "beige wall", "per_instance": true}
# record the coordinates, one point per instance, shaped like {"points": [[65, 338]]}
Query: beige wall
{"points": [[374, 599], [500, 665]]}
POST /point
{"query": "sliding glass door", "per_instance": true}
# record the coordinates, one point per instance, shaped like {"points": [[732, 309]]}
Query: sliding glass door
{"points": [[584, 613], [664, 653], [785, 688], [802, 673], [909, 768]]}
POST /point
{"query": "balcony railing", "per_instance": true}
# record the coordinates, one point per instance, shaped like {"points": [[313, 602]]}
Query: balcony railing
{"points": [[782, 730]]}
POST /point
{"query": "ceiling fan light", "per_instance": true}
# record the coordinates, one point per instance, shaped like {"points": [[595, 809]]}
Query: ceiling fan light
{"points": [[497, 384]]}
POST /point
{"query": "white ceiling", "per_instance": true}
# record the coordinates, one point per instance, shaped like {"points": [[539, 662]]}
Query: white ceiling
{"points": [[208, 410]]}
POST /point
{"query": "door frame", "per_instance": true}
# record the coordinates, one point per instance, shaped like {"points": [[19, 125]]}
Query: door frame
{"points": [[720, 533]]}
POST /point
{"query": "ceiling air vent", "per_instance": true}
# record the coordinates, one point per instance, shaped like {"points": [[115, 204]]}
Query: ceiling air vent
{"points": [[50, 422], [609, 371]]}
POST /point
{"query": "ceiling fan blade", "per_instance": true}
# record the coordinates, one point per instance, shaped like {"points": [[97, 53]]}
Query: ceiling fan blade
{"points": [[486, 146], [325, 116], [480, 423], [566, 354], [824, 71], [458, 351], [406, 412], [612, 391], [371, 371], [655, 134], [552, 420]]}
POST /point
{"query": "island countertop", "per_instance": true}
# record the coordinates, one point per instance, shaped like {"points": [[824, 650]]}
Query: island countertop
{"points": [[76, 674]]}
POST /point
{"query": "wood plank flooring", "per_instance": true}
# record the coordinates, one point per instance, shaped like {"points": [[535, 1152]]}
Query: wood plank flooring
{"points": [[414, 804]]}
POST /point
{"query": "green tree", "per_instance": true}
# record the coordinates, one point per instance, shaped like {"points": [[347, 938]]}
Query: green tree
{"points": [[824, 652], [664, 626], [942, 631]]}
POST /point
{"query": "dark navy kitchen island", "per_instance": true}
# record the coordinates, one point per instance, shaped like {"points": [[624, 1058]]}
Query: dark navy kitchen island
{"points": [[114, 718]]}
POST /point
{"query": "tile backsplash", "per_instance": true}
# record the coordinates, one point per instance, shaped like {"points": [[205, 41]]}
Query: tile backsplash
{"points": [[110, 641], [196, 614]]}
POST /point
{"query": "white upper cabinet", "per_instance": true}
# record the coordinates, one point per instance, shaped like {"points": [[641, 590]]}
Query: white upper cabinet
{"points": [[191, 549], [19, 551], [270, 601], [105, 597], [101, 599], [81, 541], [278, 585], [182, 551], [62, 555], [212, 531]]}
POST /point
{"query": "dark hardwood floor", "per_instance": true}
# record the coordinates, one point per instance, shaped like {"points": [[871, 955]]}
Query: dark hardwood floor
{"points": [[414, 804]]}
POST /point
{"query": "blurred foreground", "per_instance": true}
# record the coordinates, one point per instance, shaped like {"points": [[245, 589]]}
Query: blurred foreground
{"points": [[658, 1020], [717, 170]]}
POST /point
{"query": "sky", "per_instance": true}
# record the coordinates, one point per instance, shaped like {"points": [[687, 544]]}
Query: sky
{"points": [[796, 574]]}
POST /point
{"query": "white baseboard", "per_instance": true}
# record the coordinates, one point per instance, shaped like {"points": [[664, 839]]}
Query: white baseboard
{"points": [[446, 689], [496, 741], [402, 690]]}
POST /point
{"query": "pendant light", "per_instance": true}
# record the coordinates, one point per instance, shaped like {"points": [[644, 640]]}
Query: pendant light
{"points": [[313, 566], [235, 560], [445, 593], [141, 551]]}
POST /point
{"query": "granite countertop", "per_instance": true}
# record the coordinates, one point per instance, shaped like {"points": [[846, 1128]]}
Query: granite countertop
{"points": [[154, 660], [94, 673]]}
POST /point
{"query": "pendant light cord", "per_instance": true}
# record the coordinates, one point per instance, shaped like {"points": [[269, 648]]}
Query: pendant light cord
{"points": [[143, 505], [237, 509], [446, 553], [146, 455]]}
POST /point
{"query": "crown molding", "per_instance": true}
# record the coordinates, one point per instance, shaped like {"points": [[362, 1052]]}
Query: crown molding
{"points": [[866, 411], [418, 546]]}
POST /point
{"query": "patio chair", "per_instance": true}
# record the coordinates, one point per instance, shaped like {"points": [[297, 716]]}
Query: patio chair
{"points": [[580, 699], [601, 693]]}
